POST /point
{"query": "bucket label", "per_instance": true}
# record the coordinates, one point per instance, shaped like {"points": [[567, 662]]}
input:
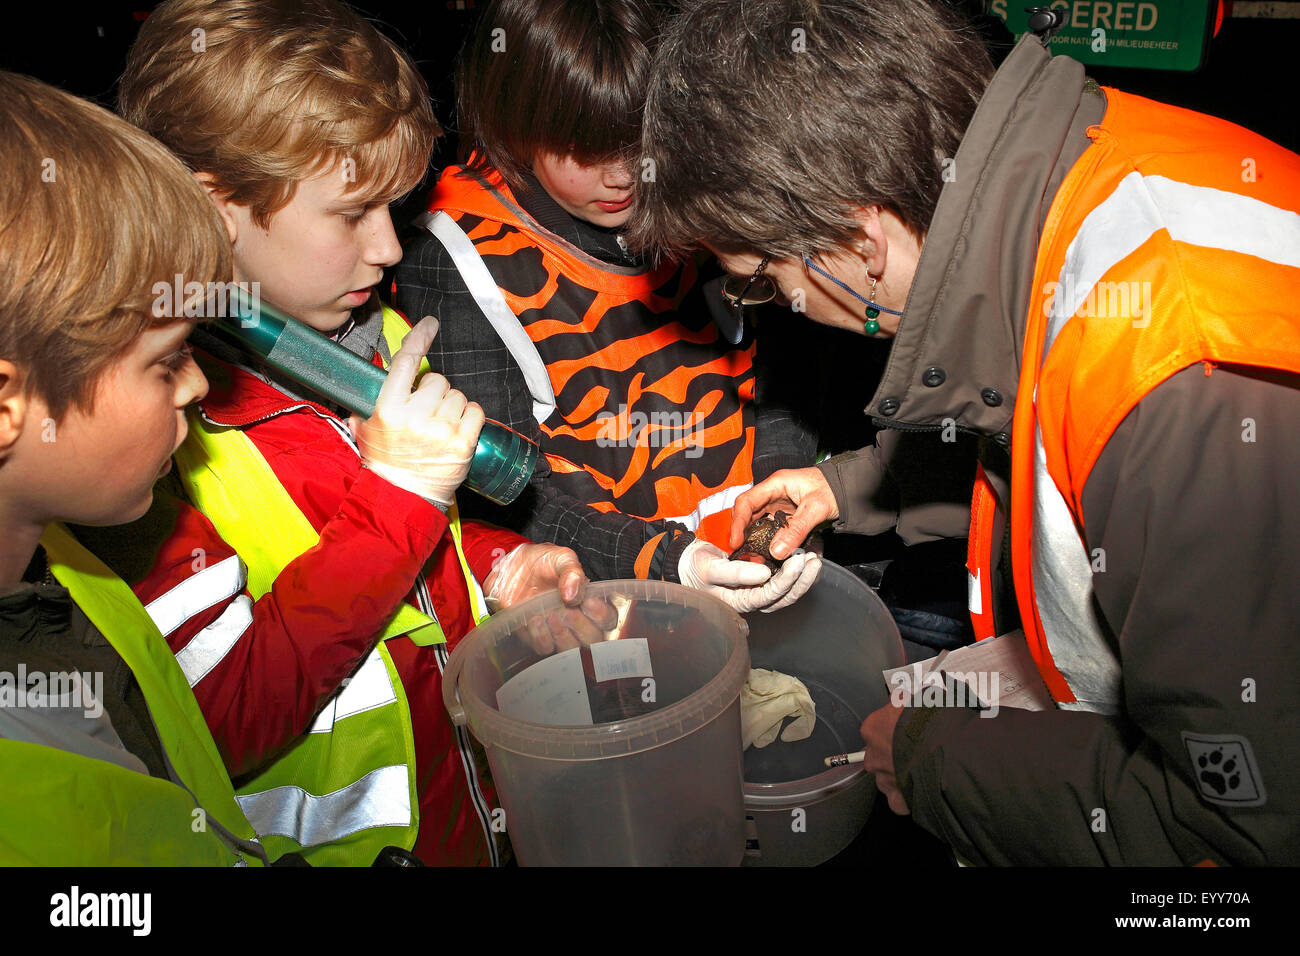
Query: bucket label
{"points": [[629, 657], [752, 849], [551, 692]]}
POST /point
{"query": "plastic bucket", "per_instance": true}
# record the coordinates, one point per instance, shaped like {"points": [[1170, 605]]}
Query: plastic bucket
{"points": [[836, 639], [624, 753]]}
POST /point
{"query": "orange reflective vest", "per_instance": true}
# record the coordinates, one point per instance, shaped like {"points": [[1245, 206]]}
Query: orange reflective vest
{"points": [[640, 411], [1174, 240]]}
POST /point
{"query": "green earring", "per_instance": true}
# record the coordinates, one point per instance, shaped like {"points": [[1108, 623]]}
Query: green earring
{"points": [[871, 326]]}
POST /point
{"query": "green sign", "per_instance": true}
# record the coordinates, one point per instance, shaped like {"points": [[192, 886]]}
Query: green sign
{"points": [[1151, 34]]}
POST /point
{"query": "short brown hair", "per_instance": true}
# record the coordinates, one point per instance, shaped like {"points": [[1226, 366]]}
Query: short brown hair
{"points": [[265, 93], [555, 76], [93, 213], [767, 125]]}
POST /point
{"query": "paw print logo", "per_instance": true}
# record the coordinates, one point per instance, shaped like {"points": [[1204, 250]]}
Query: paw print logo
{"points": [[1219, 773], [1225, 769]]}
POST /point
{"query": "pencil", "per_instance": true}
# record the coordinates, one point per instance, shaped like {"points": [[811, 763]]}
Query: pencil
{"points": [[840, 760]]}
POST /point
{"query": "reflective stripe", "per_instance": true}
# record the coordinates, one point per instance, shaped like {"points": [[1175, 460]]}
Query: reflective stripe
{"points": [[974, 599], [1140, 206], [367, 689], [378, 799], [719, 501], [197, 593], [487, 294], [1062, 576], [210, 645], [980, 557]]}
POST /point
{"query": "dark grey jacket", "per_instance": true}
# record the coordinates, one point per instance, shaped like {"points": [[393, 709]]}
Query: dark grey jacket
{"points": [[1200, 529]]}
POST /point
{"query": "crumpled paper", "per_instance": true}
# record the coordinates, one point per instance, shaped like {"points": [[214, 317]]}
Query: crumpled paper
{"points": [[766, 700]]}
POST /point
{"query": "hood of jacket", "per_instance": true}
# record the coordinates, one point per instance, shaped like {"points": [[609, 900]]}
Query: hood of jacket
{"points": [[480, 194], [957, 352]]}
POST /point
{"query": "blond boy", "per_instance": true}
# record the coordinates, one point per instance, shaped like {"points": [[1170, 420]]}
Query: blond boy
{"points": [[106, 757], [303, 123]]}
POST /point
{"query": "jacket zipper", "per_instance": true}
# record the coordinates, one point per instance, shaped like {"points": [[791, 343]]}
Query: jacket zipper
{"points": [[425, 603], [1004, 441], [463, 746]]}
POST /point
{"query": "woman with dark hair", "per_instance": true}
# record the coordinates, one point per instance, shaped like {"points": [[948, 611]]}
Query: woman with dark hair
{"points": [[1102, 288], [644, 404]]}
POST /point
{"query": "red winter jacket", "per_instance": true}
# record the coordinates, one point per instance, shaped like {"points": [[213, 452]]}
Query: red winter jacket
{"points": [[320, 619]]}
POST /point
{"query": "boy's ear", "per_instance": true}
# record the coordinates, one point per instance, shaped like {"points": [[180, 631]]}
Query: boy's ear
{"points": [[221, 201], [13, 406]]}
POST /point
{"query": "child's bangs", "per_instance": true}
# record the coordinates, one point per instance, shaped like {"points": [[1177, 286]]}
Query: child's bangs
{"points": [[390, 166], [593, 118], [379, 138], [591, 105]]}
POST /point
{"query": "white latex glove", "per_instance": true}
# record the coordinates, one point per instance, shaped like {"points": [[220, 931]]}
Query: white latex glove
{"points": [[533, 569], [744, 585], [766, 700], [420, 440]]}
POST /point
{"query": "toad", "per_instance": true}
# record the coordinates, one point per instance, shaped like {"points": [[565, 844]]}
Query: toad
{"points": [[758, 539]]}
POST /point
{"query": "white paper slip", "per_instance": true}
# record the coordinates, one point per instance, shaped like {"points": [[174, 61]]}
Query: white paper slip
{"points": [[551, 692], [626, 658], [998, 672], [1018, 683]]}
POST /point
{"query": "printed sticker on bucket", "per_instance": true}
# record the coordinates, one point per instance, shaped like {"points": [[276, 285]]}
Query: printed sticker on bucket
{"points": [[626, 658], [551, 692]]}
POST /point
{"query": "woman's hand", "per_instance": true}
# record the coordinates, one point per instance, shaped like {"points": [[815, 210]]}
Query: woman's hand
{"points": [[803, 492], [878, 756]]}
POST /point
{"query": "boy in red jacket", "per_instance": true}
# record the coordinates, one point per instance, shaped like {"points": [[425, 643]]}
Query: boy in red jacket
{"points": [[303, 123]]}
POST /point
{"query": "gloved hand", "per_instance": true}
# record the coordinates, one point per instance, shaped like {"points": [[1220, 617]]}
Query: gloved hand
{"points": [[533, 569], [743, 585], [420, 440]]}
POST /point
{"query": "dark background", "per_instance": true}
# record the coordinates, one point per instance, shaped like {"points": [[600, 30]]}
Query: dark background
{"points": [[1250, 76]]}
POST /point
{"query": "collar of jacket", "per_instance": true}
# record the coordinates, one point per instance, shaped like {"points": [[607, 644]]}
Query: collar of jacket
{"points": [[239, 393], [957, 352], [237, 398]]}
